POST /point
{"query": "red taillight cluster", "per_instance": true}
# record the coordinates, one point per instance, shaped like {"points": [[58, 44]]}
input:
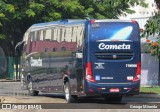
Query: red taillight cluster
{"points": [[134, 21], [138, 72], [89, 73], [92, 21]]}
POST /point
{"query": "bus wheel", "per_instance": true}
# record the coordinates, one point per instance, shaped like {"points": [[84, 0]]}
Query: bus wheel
{"points": [[67, 91], [116, 99], [30, 89]]}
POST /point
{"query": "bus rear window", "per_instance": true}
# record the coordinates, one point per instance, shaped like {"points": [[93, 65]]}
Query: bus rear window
{"points": [[104, 31]]}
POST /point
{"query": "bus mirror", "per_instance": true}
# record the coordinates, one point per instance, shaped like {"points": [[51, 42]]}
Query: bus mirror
{"points": [[19, 48]]}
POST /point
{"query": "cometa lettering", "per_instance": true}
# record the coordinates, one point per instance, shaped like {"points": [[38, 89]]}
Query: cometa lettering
{"points": [[103, 46]]}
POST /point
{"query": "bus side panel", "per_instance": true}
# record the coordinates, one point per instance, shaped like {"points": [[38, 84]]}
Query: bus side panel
{"points": [[77, 71], [53, 54], [62, 49], [36, 56]]}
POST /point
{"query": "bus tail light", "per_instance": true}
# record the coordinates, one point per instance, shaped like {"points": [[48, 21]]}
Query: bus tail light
{"points": [[89, 74], [92, 21], [134, 21], [138, 72]]}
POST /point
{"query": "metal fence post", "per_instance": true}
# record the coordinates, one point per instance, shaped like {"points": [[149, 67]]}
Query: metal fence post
{"points": [[15, 72], [18, 73]]}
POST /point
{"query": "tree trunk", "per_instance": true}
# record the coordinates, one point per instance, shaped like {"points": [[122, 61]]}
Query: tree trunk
{"points": [[8, 49], [159, 72], [158, 3]]}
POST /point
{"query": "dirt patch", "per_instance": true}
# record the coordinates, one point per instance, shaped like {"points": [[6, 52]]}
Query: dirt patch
{"points": [[39, 99], [2, 99]]}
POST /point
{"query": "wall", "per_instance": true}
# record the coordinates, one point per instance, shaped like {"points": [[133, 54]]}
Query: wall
{"points": [[149, 70], [142, 14]]}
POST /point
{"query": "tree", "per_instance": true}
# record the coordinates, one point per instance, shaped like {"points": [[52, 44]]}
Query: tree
{"points": [[158, 3], [153, 28], [17, 15]]}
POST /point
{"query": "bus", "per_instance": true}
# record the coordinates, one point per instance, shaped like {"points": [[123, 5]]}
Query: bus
{"points": [[82, 58]]}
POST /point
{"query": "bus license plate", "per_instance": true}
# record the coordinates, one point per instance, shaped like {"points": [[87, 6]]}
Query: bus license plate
{"points": [[114, 90]]}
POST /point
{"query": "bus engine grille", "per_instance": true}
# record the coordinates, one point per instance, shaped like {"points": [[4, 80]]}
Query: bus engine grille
{"points": [[114, 55]]}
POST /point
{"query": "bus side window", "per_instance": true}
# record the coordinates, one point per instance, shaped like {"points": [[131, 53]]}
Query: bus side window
{"points": [[32, 36]]}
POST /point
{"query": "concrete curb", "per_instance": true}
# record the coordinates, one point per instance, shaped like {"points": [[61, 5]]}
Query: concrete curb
{"points": [[146, 96], [8, 80]]}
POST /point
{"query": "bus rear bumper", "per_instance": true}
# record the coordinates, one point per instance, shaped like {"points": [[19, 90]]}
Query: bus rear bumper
{"points": [[93, 89]]}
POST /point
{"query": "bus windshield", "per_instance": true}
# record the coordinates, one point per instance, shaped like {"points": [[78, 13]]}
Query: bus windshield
{"points": [[104, 31]]}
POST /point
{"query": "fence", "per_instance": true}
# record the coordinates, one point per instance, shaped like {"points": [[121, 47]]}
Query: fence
{"points": [[9, 68]]}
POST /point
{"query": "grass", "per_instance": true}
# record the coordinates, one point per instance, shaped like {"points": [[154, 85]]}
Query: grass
{"points": [[150, 90]]}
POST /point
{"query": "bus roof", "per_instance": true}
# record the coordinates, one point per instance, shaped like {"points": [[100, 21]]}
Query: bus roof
{"points": [[59, 22], [75, 21], [112, 20]]}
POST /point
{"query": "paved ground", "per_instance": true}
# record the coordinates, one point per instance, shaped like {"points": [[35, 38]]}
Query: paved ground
{"points": [[10, 92], [82, 110]]}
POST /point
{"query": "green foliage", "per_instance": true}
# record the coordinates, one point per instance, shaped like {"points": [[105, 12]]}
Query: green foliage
{"points": [[2, 37], [17, 15], [150, 90], [153, 28], [30, 13], [2, 15], [154, 48], [9, 8]]}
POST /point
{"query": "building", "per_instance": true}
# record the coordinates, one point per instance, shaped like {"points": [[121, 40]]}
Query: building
{"points": [[150, 74], [142, 14]]}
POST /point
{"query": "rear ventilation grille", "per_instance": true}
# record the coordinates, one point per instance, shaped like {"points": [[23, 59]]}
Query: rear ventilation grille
{"points": [[114, 55]]}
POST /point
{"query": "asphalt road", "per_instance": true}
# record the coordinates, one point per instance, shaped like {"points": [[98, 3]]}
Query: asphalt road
{"points": [[10, 92]]}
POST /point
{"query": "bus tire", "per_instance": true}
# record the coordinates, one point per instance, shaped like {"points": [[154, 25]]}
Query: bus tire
{"points": [[30, 89], [67, 92]]}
